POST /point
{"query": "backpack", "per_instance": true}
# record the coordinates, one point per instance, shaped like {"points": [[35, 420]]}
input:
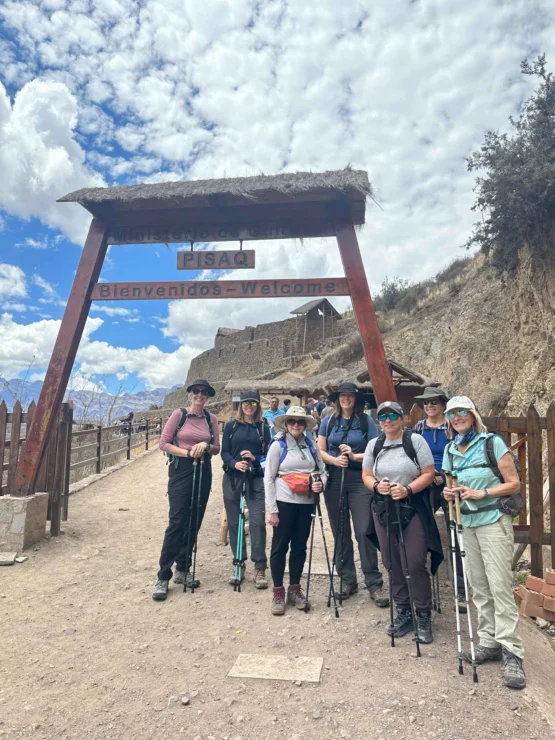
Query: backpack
{"points": [[283, 444], [173, 459], [363, 428], [507, 504], [260, 428], [406, 444]]}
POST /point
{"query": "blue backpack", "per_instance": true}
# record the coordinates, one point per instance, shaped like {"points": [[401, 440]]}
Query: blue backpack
{"points": [[283, 444]]}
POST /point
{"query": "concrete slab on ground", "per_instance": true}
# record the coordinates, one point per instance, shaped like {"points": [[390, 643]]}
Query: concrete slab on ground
{"points": [[277, 668], [7, 558]]}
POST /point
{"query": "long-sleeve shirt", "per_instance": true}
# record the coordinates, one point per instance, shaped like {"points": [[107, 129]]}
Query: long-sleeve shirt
{"points": [[194, 430], [298, 460], [239, 436]]}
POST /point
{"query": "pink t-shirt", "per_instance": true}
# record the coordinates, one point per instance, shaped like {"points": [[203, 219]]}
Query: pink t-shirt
{"points": [[194, 430]]}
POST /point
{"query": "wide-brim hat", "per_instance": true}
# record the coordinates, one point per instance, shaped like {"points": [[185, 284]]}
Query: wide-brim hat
{"points": [[348, 388], [393, 405], [250, 396], [464, 402], [430, 393], [294, 412], [204, 384]]}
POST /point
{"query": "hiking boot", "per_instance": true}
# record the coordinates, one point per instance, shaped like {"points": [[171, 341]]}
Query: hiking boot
{"points": [[180, 577], [513, 672], [278, 602], [296, 597], [348, 589], [160, 592], [483, 654], [462, 604], [379, 596], [260, 578], [424, 626], [402, 624], [232, 581]]}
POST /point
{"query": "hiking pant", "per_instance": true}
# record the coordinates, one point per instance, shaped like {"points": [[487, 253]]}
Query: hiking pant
{"points": [[357, 500], [186, 513], [489, 553], [437, 501], [417, 556], [293, 530], [233, 486]]}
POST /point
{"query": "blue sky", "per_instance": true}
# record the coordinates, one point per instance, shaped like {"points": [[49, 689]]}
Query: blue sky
{"points": [[115, 91]]}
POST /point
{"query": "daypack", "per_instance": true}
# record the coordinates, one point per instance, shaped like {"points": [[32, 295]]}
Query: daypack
{"points": [[260, 429], [406, 444], [507, 504], [363, 428], [283, 444], [173, 459]]}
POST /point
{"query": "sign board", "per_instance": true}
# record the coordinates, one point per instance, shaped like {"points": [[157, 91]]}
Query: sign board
{"points": [[303, 287], [236, 397], [224, 260]]}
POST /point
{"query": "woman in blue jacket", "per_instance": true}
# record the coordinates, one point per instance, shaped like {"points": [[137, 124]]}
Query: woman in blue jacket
{"points": [[245, 440]]}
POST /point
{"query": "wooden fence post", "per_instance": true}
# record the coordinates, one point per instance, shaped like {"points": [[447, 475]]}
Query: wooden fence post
{"points": [[146, 438], [65, 508], [3, 425], [415, 414], [535, 479], [15, 434], [129, 432], [59, 473], [550, 423], [521, 453], [99, 449]]}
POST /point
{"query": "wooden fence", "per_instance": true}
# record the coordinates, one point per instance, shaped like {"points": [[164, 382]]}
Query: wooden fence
{"points": [[532, 439]]}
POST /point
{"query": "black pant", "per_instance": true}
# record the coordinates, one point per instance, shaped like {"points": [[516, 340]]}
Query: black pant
{"points": [[293, 529], [186, 513], [437, 501], [357, 501]]}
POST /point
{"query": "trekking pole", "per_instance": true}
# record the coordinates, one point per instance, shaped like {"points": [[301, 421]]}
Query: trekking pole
{"points": [[405, 565], [188, 564], [434, 597], [389, 568], [197, 527], [339, 535], [453, 548], [312, 528], [465, 579], [238, 560], [330, 569]]}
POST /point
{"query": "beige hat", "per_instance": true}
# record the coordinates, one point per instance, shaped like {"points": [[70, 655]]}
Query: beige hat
{"points": [[464, 402], [294, 412]]}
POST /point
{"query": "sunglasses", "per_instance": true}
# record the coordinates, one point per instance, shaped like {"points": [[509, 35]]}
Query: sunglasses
{"points": [[250, 403], [199, 391], [459, 412], [391, 415], [434, 402], [296, 422]]}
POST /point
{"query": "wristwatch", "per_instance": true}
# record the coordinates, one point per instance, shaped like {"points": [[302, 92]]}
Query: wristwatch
{"points": [[486, 493], [375, 486], [188, 453]]}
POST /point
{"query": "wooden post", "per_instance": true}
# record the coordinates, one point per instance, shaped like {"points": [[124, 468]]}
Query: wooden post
{"points": [[536, 490], [415, 414], [129, 431], [99, 449], [59, 475], [15, 434], [503, 430], [374, 351], [521, 454], [62, 359], [3, 425], [65, 508], [146, 437], [550, 422]]}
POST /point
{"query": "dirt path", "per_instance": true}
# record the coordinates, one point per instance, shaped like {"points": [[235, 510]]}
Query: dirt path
{"points": [[86, 653]]}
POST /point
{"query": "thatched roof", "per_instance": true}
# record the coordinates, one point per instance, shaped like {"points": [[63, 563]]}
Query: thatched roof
{"points": [[348, 184], [322, 303]]}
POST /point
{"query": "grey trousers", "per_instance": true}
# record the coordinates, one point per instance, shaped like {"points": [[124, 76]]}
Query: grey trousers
{"points": [[356, 502], [232, 486]]}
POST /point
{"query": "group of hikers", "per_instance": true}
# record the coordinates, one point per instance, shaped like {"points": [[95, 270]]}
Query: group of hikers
{"points": [[385, 484]]}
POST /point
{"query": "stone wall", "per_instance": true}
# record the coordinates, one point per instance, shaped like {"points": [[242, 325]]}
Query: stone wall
{"points": [[22, 521]]}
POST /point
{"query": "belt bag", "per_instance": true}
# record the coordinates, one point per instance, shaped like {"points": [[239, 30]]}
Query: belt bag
{"points": [[297, 482], [380, 505]]}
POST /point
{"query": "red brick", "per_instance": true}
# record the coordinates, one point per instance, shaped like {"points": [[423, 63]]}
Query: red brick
{"points": [[529, 610], [517, 595], [550, 616], [531, 597], [550, 576], [534, 584], [548, 590], [549, 603]]}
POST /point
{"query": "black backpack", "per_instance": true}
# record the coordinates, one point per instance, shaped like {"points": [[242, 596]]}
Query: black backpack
{"points": [[406, 444], [260, 428], [173, 459], [507, 504], [363, 428]]}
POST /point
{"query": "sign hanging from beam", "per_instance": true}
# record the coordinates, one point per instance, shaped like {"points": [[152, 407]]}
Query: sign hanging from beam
{"points": [[221, 260], [304, 287]]}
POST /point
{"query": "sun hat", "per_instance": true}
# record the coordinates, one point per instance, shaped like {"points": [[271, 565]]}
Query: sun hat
{"points": [[294, 412], [464, 402], [393, 405], [430, 393], [250, 396], [204, 384], [347, 388]]}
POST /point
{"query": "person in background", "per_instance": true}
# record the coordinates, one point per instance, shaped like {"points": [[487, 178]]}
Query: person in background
{"points": [[245, 440], [490, 497], [292, 463], [286, 405], [342, 439], [271, 413], [434, 430], [190, 436], [320, 406], [310, 406], [330, 408]]}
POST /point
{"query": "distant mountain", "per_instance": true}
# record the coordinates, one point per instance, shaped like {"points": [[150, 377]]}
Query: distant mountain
{"points": [[87, 405]]}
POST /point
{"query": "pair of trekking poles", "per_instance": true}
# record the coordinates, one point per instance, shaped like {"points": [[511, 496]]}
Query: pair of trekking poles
{"points": [[197, 463], [239, 560]]}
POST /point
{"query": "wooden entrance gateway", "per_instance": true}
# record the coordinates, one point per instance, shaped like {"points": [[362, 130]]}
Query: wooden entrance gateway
{"points": [[289, 206]]}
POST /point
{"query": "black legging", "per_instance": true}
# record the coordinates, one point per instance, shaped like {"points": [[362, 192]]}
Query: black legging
{"points": [[180, 492], [293, 528]]}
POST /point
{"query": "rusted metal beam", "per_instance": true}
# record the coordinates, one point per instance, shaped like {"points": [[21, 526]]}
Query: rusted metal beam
{"points": [[63, 357], [374, 351]]}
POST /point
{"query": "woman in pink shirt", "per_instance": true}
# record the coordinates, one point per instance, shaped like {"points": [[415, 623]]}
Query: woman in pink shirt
{"points": [[190, 436]]}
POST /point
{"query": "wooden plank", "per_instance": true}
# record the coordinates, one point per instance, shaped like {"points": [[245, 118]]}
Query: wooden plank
{"points": [[415, 414], [378, 367], [521, 455], [227, 259], [99, 451], [3, 425], [29, 417], [83, 463], [302, 287], [535, 479], [522, 537], [50, 456], [61, 361], [14, 445], [65, 504], [550, 417], [503, 429], [59, 474]]}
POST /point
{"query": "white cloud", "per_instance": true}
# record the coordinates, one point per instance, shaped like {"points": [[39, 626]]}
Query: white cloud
{"points": [[112, 311], [30, 243], [40, 282], [12, 282], [11, 306]]}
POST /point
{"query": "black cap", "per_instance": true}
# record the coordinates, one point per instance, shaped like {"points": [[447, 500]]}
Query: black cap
{"points": [[250, 396], [204, 384], [347, 388]]}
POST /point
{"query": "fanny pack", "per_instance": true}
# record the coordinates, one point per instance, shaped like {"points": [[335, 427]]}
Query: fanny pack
{"points": [[380, 504], [297, 482]]}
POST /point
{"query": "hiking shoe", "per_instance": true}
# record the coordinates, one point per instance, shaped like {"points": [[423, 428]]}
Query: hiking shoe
{"points": [[278, 602], [260, 578], [160, 592], [232, 581], [462, 604], [379, 596], [402, 624], [296, 597], [513, 672], [180, 577], [348, 589], [424, 626], [483, 654]]}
